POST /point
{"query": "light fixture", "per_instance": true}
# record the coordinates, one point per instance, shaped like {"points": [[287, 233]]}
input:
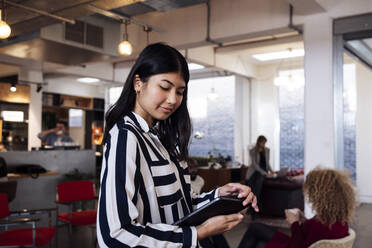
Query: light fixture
{"points": [[4, 27], [13, 88], [39, 88], [213, 95], [289, 53], [147, 29], [124, 47], [291, 81], [195, 66], [88, 80]]}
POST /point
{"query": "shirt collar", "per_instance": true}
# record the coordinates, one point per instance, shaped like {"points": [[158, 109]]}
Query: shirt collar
{"points": [[139, 121]]}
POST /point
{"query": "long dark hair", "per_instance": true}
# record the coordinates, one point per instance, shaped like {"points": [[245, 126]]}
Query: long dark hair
{"points": [[260, 139], [174, 132]]}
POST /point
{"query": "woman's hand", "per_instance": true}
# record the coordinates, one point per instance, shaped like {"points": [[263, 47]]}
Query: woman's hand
{"points": [[218, 224], [242, 191], [292, 216]]}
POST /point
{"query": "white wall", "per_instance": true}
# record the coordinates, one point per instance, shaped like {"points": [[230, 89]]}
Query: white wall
{"points": [[364, 132], [69, 86]]}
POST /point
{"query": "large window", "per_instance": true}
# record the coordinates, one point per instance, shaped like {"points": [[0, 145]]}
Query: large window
{"points": [[349, 118], [291, 114], [211, 106]]}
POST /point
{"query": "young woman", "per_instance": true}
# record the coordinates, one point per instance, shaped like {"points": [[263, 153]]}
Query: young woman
{"points": [[145, 185], [331, 194], [260, 165]]}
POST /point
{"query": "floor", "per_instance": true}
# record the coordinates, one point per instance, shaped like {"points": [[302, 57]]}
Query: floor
{"points": [[82, 236], [362, 225]]}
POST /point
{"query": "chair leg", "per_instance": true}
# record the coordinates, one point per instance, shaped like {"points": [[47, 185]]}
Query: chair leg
{"points": [[70, 233]]}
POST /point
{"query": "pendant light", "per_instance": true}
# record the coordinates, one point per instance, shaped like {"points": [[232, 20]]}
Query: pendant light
{"points": [[124, 47], [147, 29], [13, 88], [4, 27]]}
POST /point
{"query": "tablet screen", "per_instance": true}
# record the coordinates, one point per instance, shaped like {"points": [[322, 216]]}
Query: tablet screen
{"points": [[222, 205]]}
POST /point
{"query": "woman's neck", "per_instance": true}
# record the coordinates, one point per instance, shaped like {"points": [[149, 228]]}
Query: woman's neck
{"points": [[146, 116]]}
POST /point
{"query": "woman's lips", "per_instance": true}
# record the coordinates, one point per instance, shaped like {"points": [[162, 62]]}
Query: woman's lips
{"points": [[166, 110]]}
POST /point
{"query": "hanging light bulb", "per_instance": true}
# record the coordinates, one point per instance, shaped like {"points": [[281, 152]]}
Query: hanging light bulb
{"points": [[13, 88], [124, 47], [213, 95], [147, 29], [4, 27]]}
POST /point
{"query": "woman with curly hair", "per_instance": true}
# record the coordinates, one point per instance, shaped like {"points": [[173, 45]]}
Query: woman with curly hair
{"points": [[331, 194]]}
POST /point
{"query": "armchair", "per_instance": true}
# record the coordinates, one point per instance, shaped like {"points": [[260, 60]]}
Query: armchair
{"points": [[69, 193], [346, 242], [23, 236]]}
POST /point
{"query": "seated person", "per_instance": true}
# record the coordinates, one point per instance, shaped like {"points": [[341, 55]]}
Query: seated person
{"points": [[197, 182], [55, 136], [332, 196], [259, 167]]}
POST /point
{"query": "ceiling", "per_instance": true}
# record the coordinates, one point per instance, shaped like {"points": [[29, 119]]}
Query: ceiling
{"points": [[24, 21]]}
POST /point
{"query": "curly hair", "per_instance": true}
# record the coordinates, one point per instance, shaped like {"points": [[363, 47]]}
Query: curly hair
{"points": [[331, 194]]}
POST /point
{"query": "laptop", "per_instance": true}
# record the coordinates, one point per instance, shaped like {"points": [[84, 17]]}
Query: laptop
{"points": [[282, 172]]}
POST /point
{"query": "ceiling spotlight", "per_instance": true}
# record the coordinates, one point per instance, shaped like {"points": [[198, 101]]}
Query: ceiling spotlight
{"points": [[88, 80], [124, 47], [39, 88], [13, 88], [289, 53], [4, 27]]}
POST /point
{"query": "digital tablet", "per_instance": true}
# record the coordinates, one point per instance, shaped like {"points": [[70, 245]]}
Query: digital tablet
{"points": [[222, 205]]}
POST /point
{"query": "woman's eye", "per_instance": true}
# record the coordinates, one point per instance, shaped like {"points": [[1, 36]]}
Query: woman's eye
{"points": [[179, 93], [164, 88]]}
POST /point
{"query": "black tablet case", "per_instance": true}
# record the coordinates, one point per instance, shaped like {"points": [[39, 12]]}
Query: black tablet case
{"points": [[218, 206]]}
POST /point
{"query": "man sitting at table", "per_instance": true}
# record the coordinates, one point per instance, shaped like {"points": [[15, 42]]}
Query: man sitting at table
{"points": [[55, 136]]}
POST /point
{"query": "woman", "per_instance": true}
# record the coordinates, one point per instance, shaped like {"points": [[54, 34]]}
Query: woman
{"points": [[145, 185], [260, 165], [331, 194]]}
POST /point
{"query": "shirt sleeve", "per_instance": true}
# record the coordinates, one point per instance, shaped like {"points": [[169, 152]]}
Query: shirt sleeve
{"points": [[299, 235], [40, 136], [199, 200], [118, 218]]}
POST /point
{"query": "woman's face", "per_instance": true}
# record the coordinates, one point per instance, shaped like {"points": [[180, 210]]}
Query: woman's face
{"points": [[262, 144], [159, 97]]}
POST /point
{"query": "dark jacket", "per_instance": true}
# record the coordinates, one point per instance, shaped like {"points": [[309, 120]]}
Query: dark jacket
{"points": [[255, 162]]}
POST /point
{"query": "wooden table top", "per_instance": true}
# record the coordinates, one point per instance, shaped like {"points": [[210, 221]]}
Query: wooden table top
{"points": [[19, 176]]}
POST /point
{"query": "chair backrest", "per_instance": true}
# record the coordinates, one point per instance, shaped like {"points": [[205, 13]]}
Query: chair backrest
{"points": [[4, 207], [346, 242], [9, 188], [75, 191]]}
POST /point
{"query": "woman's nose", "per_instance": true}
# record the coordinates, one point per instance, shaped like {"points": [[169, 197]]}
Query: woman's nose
{"points": [[172, 97]]}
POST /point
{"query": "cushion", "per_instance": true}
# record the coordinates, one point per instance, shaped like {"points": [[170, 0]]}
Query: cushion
{"points": [[23, 236], [86, 217], [4, 208], [75, 191]]}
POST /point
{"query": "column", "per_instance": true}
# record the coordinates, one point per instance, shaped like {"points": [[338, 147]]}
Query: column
{"points": [[323, 95], [242, 124], [35, 106]]}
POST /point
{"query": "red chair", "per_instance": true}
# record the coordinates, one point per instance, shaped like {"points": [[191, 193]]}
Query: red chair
{"points": [[23, 237], [69, 193]]}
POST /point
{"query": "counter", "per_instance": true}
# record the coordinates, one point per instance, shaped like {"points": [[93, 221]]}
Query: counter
{"points": [[41, 192]]}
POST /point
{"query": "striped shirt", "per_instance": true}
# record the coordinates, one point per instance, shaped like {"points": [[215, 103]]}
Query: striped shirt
{"points": [[143, 191]]}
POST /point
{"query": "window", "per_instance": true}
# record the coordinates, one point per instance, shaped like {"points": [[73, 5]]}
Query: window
{"points": [[291, 114], [211, 107]]}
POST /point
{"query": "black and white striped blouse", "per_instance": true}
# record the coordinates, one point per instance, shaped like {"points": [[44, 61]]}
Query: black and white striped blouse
{"points": [[144, 191]]}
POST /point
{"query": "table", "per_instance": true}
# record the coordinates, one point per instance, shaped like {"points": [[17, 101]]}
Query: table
{"points": [[214, 178]]}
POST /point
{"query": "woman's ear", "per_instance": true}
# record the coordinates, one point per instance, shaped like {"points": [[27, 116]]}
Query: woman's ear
{"points": [[137, 84]]}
